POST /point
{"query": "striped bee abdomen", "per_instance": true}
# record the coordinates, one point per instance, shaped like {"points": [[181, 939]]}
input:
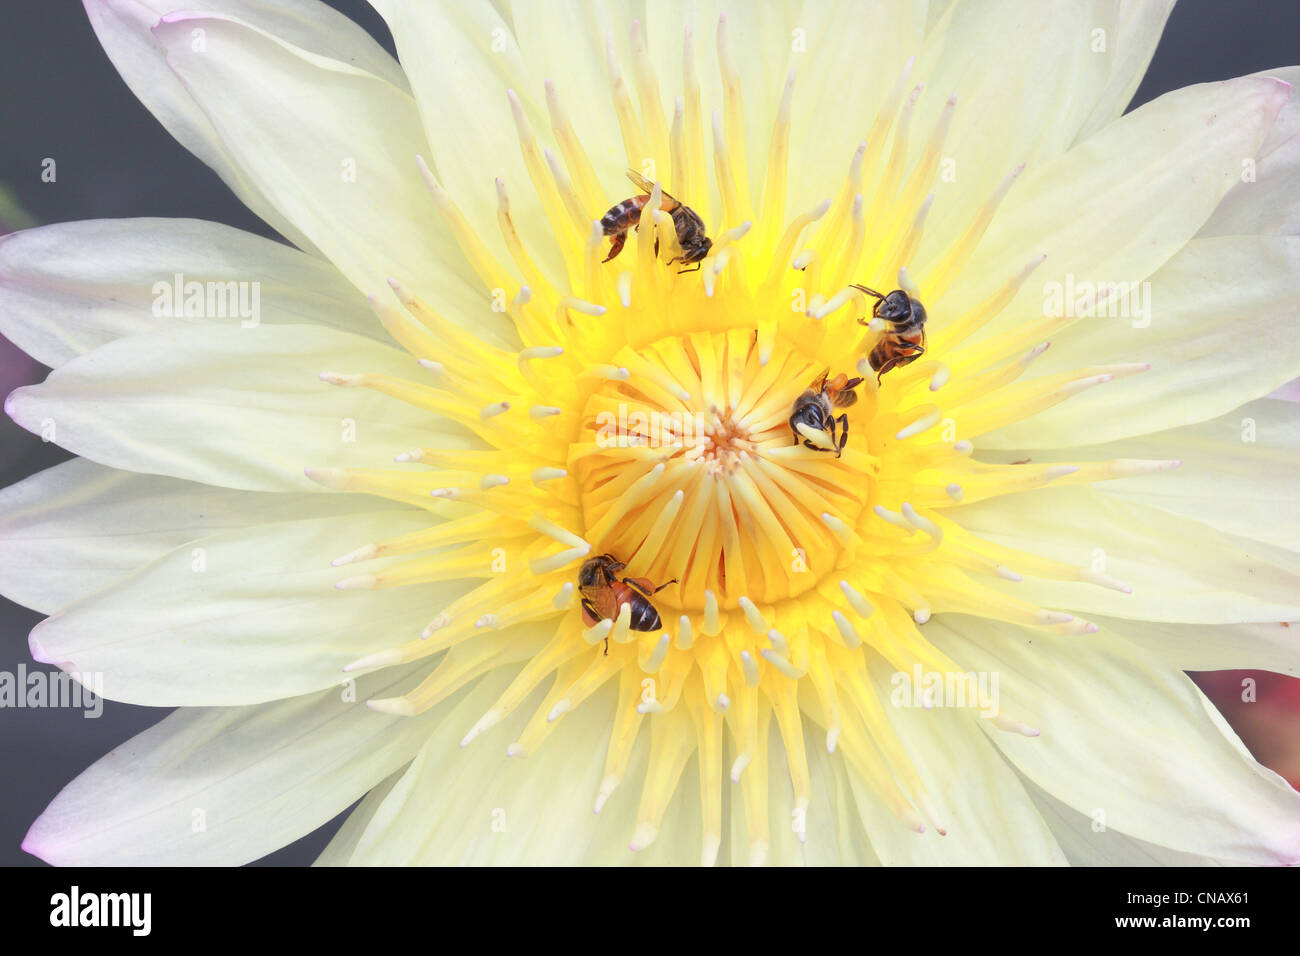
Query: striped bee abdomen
{"points": [[644, 615], [624, 216]]}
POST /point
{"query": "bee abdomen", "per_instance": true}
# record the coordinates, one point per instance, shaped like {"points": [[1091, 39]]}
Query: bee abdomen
{"points": [[623, 216], [644, 616]]}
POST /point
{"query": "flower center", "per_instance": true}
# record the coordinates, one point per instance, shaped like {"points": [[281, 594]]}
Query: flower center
{"points": [[724, 440], [696, 475]]}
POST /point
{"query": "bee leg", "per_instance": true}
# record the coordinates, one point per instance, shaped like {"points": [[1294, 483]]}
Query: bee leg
{"points": [[642, 586], [828, 426], [697, 268], [657, 246], [645, 586], [606, 647], [844, 434], [616, 245]]}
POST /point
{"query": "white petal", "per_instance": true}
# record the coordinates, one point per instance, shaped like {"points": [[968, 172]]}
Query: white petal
{"points": [[935, 11], [1127, 736], [461, 58], [123, 27], [224, 786], [1290, 392], [835, 828], [344, 842], [989, 818], [334, 148], [836, 831], [1119, 205], [1265, 201], [762, 42], [78, 527], [242, 617], [1087, 842], [1266, 645], [476, 806], [243, 408], [563, 42], [473, 805], [1137, 31], [482, 53], [70, 287], [1238, 473], [1026, 77], [1180, 570], [1202, 364]]}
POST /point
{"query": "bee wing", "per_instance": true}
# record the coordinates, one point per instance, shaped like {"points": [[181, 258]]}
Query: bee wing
{"points": [[601, 603], [646, 186], [820, 382], [845, 398]]}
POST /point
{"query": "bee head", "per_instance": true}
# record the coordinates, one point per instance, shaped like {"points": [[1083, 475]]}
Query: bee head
{"points": [[918, 311], [895, 307], [698, 250]]}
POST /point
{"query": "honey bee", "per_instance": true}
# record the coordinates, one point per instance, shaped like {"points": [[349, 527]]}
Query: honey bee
{"points": [[904, 341], [815, 408], [604, 593], [627, 215]]}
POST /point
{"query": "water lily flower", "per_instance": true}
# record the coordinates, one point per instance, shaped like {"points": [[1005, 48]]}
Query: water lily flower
{"points": [[332, 498]]}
